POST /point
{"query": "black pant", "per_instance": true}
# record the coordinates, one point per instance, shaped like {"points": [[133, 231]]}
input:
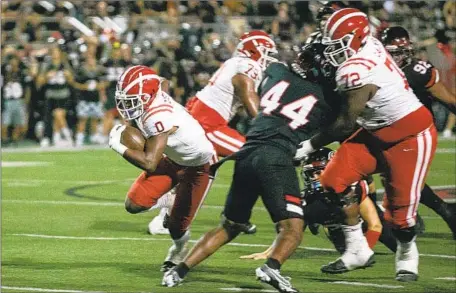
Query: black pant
{"points": [[267, 171]]}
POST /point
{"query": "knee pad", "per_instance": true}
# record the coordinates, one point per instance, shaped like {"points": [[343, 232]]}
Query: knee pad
{"points": [[233, 229], [405, 235]]}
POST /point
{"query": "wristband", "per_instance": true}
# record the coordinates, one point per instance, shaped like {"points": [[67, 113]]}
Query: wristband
{"points": [[120, 148]]}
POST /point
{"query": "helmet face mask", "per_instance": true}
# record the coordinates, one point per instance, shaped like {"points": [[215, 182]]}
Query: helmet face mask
{"points": [[312, 167], [397, 42], [344, 34], [135, 91], [338, 51]]}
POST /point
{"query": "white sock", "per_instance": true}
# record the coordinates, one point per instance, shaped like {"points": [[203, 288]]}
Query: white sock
{"points": [[66, 133], [354, 237], [56, 137], [80, 138], [179, 243], [166, 201]]}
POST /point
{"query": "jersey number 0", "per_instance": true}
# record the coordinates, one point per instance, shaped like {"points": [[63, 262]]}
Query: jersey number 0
{"points": [[297, 110]]}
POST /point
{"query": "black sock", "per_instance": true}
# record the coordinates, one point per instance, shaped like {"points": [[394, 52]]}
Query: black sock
{"points": [[182, 270], [273, 263], [432, 200]]}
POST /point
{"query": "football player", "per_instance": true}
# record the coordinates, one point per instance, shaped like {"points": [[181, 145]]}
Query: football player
{"points": [[292, 108], [176, 152], [234, 83], [326, 208], [424, 79], [397, 136]]}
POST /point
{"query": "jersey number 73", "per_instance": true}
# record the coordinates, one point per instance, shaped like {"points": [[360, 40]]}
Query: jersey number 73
{"points": [[297, 111]]}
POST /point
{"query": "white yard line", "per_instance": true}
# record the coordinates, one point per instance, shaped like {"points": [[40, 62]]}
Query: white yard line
{"points": [[367, 284], [16, 164], [446, 278], [236, 289], [37, 182], [193, 241], [23, 289]]}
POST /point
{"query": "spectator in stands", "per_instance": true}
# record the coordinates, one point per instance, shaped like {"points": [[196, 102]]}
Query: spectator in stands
{"points": [[91, 96], [16, 95], [114, 67], [283, 26], [55, 79]]}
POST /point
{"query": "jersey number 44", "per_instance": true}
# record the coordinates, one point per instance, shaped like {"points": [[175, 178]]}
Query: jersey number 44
{"points": [[297, 111]]}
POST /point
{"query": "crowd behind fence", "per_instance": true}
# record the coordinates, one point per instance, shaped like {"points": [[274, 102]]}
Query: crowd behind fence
{"points": [[63, 57]]}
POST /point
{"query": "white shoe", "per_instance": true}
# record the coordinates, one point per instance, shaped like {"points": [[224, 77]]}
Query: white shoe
{"points": [[447, 133], [45, 142], [171, 279], [407, 259], [156, 225], [174, 257]]}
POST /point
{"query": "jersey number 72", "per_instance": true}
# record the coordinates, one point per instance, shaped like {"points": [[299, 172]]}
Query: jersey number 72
{"points": [[297, 110]]}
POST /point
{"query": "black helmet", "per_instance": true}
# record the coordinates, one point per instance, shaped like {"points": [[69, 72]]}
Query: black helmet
{"points": [[309, 61], [396, 40], [312, 166]]}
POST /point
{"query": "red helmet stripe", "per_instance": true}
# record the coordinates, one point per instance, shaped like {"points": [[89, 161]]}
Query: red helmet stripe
{"points": [[122, 77], [140, 79], [341, 20]]}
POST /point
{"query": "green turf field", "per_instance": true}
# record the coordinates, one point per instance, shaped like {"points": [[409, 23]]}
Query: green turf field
{"points": [[64, 229]]}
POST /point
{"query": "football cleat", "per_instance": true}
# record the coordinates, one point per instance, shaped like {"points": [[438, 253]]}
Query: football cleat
{"points": [[339, 267], [407, 259], [171, 279], [173, 258], [251, 229], [273, 277], [406, 276], [157, 225]]}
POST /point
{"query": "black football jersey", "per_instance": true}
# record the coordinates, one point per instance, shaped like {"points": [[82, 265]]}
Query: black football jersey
{"points": [[291, 109], [85, 75], [421, 75]]}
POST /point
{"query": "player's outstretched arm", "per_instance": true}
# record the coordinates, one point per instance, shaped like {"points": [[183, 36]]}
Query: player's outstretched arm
{"points": [[354, 103], [244, 89], [153, 152], [259, 255], [444, 96]]}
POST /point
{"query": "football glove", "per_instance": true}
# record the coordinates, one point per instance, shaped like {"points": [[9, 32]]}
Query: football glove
{"points": [[114, 139], [304, 149]]}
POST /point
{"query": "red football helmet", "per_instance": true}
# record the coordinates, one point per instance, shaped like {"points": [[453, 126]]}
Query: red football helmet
{"points": [[344, 34], [136, 89], [257, 45]]}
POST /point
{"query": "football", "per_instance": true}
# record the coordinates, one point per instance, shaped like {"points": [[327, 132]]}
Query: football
{"points": [[132, 138]]}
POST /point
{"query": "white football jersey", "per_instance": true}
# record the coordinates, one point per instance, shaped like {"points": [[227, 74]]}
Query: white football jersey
{"points": [[218, 94], [373, 65], [188, 145]]}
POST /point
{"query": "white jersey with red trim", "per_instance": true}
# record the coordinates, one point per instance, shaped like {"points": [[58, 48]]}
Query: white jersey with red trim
{"points": [[218, 94], [188, 145], [373, 65]]}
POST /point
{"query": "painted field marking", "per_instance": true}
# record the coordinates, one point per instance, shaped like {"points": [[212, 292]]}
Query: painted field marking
{"points": [[192, 241], [105, 147], [15, 164], [236, 289], [84, 182], [119, 204], [367, 284], [446, 278], [45, 290], [446, 151]]}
